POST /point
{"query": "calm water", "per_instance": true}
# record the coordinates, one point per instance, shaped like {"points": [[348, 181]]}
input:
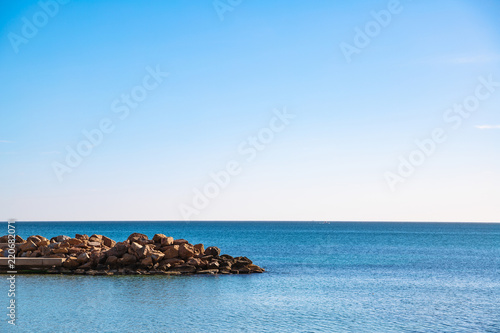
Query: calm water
{"points": [[338, 277]]}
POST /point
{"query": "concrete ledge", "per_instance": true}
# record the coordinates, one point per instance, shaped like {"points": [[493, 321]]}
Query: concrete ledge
{"points": [[34, 262]]}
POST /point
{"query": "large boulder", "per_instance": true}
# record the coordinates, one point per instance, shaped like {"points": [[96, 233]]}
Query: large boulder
{"points": [[83, 258], [95, 238], [44, 250], [82, 237], [118, 250], [54, 245], [108, 241], [171, 251], [255, 269], [64, 244], [167, 241], [71, 263], [157, 256], [212, 250], [173, 261], [101, 257], [163, 240], [197, 262], [136, 247], [62, 238], [158, 237], [180, 242], [74, 241], [28, 246], [43, 243], [242, 264], [145, 251], [76, 250], [147, 262], [199, 248], [111, 260], [127, 259], [186, 251], [241, 270], [141, 251], [242, 261], [83, 244], [34, 239], [137, 237]]}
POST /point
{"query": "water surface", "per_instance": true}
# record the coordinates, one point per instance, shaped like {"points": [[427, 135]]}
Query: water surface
{"points": [[337, 277]]}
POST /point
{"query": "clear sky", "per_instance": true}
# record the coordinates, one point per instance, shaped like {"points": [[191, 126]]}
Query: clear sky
{"points": [[306, 110]]}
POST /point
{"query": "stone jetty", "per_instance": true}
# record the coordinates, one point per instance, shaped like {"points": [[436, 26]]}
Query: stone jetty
{"points": [[100, 255]]}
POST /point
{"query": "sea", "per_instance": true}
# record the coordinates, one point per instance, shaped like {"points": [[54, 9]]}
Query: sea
{"points": [[320, 277]]}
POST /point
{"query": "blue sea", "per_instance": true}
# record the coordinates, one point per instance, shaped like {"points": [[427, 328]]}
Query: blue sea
{"points": [[337, 277]]}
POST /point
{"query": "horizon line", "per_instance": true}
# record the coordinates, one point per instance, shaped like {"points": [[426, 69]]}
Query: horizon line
{"points": [[237, 221]]}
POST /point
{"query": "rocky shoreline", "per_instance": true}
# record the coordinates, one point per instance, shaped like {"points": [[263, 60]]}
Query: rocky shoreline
{"points": [[100, 255]]}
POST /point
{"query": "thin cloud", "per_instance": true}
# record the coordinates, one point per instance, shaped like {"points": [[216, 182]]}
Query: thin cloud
{"points": [[6, 141], [487, 127]]}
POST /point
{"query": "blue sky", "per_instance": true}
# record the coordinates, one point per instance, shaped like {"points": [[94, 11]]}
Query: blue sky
{"points": [[226, 80]]}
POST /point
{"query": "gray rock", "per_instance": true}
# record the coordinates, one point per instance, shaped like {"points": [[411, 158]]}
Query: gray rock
{"points": [[62, 238]]}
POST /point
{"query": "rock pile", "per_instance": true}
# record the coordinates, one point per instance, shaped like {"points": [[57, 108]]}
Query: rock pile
{"points": [[100, 255]]}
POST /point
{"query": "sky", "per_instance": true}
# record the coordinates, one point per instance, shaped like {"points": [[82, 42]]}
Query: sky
{"points": [[278, 110]]}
